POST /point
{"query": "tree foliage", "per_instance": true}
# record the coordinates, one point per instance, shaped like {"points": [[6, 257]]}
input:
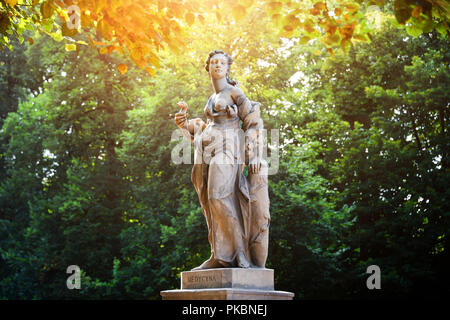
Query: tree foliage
{"points": [[140, 28]]}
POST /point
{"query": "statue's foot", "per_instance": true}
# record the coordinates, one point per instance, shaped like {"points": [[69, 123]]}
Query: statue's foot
{"points": [[211, 263], [242, 261]]}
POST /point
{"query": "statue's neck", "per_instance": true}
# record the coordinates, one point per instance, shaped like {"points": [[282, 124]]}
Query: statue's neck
{"points": [[219, 84]]}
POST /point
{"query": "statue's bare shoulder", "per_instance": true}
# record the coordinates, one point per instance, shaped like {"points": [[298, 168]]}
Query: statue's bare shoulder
{"points": [[236, 93]]}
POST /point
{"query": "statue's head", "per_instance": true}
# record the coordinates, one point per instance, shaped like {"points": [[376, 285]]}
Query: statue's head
{"points": [[218, 65]]}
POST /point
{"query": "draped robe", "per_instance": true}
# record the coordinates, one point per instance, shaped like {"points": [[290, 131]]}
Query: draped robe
{"points": [[225, 194]]}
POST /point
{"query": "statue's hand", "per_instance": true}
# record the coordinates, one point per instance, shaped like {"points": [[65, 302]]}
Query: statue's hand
{"points": [[254, 165], [181, 116], [183, 105], [181, 119]]}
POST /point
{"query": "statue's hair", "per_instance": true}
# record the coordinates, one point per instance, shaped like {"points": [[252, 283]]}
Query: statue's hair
{"points": [[230, 62]]}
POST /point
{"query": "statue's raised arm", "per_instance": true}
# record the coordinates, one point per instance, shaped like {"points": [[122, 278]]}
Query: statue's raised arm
{"points": [[188, 127]]}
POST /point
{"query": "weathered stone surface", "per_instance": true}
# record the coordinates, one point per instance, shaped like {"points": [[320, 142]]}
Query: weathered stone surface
{"points": [[261, 279], [226, 294]]}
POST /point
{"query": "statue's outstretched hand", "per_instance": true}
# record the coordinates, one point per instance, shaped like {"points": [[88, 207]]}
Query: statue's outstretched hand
{"points": [[181, 116], [183, 106]]}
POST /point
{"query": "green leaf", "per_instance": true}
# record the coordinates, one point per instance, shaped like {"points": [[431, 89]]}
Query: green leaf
{"points": [[47, 25], [71, 47], [441, 29], [57, 36], [413, 31]]}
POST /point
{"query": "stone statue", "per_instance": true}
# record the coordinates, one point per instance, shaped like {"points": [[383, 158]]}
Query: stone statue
{"points": [[236, 207]]}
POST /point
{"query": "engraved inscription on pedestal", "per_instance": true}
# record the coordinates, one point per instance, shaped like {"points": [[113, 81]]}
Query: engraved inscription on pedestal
{"points": [[197, 280], [261, 279]]}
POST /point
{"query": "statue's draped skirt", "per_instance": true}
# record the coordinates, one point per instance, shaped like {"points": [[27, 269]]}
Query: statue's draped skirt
{"points": [[222, 189]]}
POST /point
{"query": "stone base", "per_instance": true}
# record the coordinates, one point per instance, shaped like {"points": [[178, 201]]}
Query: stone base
{"points": [[260, 279], [227, 284], [226, 294]]}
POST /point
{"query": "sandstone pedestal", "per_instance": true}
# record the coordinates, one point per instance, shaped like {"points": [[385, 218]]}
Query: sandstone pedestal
{"points": [[227, 284]]}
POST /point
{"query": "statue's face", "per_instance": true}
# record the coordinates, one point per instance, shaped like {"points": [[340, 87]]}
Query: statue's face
{"points": [[218, 66]]}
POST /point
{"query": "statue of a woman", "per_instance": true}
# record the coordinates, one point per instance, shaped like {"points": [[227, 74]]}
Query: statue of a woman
{"points": [[236, 207]]}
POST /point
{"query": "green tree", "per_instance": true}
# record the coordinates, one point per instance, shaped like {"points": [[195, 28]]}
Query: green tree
{"points": [[16, 81], [390, 165], [64, 163]]}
